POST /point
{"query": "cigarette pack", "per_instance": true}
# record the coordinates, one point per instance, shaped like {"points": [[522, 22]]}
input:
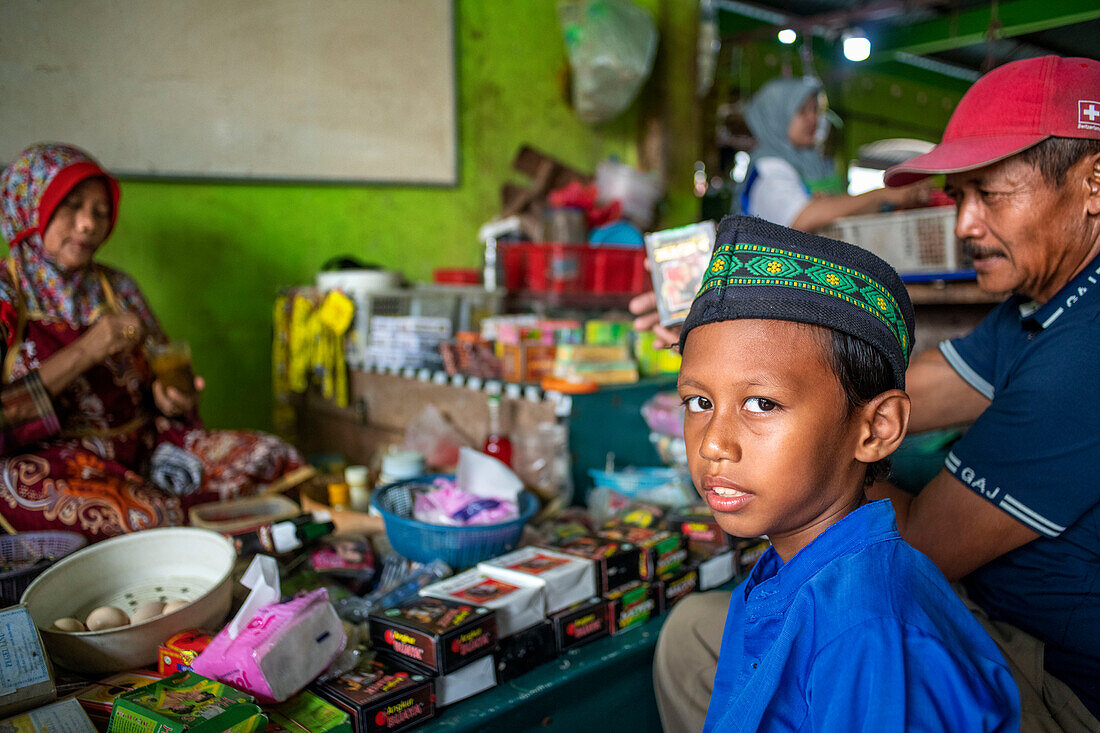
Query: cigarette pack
{"points": [[566, 578], [177, 653], [581, 623], [307, 711], [449, 688], [699, 527], [633, 604], [522, 652], [98, 698], [749, 550], [26, 678], [517, 605], [63, 716], [675, 586], [678, 259], [186, 701], [440, 635], [380, 697], [617, 563], [661, 551]]}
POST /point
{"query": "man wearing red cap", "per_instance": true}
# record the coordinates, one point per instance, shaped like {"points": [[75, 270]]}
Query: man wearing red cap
{"points": [[1015, 513]]}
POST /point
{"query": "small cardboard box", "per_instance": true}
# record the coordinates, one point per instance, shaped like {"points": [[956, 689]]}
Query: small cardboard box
{"points": [[26, 677], [177, 653], [98, 698], [581, 623], [63, 716], [381, 697], [632, 605], [567, 579], [617, 563], [522, 652], [714, 570], [699, 527], [475, 677], [518, 604], [675, 586], [189, 702], [309, 712], [749, 550], [439, 635], [662, 551]]}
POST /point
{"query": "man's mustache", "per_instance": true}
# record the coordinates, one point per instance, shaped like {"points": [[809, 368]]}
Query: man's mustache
{"points": [[977, 251]]}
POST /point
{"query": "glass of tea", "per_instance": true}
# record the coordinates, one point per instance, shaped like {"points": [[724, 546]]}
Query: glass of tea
{"points": [[171, 365]]}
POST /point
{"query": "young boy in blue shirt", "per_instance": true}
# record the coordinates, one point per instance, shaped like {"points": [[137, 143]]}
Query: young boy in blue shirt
{"points": [[794, 358]]}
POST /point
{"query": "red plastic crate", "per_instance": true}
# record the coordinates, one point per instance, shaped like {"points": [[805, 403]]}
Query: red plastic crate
{"points": [[553, 267]]}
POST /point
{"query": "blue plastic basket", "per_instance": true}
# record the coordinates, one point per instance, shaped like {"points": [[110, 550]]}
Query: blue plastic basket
{"points": [[459, 547]]}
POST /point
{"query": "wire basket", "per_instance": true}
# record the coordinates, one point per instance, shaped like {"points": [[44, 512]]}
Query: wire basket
{"points": [[913, 241], [28, 554], [459, 547]]}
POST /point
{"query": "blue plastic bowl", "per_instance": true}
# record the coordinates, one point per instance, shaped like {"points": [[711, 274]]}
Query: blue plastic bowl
{"points": [[459, 547]]}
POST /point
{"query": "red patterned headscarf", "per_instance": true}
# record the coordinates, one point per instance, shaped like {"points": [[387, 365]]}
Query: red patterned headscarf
{"points": [[31, 188]]}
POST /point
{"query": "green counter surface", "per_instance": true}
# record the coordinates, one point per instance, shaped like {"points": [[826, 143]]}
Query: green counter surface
{"points": [[607, 684]]}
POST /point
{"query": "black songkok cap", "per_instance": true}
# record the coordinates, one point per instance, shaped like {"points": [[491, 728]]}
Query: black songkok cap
{"points": [[762, 270]]}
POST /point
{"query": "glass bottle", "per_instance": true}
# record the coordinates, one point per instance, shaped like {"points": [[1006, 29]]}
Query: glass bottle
{"points": [[497, 443]]}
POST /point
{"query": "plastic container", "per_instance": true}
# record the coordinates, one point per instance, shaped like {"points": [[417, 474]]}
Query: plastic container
{"points": [[29, 554], [186, 563], [358, 490], [912, 241], [553, 267], [401, 465], [638, 192], [459, 547]]}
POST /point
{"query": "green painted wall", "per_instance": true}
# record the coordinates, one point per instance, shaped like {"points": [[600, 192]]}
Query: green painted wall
{"points": [[211, 256]]}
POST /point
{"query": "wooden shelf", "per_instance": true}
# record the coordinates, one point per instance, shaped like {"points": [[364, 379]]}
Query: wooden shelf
{"points": [[939, 292]]}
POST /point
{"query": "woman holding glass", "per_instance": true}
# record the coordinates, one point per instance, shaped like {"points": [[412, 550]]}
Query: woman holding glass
{"points": [[83, 421]]}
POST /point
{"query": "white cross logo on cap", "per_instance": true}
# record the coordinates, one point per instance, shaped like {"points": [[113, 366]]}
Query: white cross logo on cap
{"points": [[1088, 113]]}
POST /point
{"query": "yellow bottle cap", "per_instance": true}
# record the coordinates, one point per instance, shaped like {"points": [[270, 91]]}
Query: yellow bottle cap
{"points": [[338, 495]]}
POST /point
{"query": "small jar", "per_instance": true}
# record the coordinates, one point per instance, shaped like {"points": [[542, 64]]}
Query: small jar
{"points": [[338, 497], [358, 490], [401, 465]]}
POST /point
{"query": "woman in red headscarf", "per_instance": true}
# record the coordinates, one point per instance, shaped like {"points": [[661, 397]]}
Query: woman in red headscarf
{"points": [[81, 415]]}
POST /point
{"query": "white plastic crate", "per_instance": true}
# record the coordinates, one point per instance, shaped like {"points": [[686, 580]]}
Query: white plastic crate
{"points": [[913, 241]]}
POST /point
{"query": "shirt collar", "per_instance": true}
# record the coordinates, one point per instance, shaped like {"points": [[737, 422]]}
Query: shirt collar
{"points": [[1038, 316], [865, 526]]}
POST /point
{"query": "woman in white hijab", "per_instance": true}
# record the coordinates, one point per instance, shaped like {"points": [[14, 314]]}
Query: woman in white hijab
{"points": [[789, 181]]}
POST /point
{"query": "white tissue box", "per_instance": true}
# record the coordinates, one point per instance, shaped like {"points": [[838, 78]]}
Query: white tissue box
{"points": [[568, 579], [517, 606]]}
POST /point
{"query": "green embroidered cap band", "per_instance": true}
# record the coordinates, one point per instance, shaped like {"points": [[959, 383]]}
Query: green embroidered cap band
{"points": [[762, 270]]}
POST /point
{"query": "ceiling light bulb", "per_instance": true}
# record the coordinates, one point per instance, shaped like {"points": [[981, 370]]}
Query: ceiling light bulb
{"points": [[788, 36], [857, 47]]}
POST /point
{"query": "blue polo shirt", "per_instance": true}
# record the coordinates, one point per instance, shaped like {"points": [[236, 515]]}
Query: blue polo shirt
{"points": [[1035, 454], [857, 632]]}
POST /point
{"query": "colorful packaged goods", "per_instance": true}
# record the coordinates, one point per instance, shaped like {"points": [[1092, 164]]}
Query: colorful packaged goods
{"points": [[633, 604], [26, 678], [675, 586], [617, 563], [662, 551], [678, 258], [187, 702], [699, 527], [567, 579], [475, 677], [581, 623], [308, 712], [438, 635], [63, 716], [179, 651], [98, 699], [517, 605], [381, 697]]}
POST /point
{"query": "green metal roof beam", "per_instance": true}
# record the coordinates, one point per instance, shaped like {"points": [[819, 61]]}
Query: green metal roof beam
{"points": [[971, 27]]}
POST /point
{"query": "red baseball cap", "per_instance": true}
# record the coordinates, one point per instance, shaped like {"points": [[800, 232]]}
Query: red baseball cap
{"points": [[1010, 109]]}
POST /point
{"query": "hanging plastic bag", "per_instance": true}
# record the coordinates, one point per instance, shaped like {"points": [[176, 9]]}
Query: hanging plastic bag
{"points": [[611, 46]]}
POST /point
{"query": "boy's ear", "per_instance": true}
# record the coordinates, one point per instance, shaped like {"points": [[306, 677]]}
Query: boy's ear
{"points": [[883, 422]]}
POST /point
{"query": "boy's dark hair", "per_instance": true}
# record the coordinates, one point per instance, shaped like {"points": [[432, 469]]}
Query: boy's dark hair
{"points": [[863, 373]]}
